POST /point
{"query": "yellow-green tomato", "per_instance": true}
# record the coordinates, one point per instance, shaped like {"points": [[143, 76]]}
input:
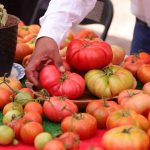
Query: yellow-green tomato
{"points": [[11, 115], [7, 135], [109, 82], [42, 139]]}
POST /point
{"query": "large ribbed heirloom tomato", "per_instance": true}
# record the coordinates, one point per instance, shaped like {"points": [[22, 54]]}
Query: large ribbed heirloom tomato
{"points": [[85, 54], [67, 84]]}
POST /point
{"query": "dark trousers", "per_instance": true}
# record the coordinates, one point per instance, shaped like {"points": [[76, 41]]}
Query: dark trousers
{"points": [[141, 37]]}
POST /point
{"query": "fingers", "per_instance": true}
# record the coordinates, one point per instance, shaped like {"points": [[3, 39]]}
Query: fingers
{"points": [[59, 63]]}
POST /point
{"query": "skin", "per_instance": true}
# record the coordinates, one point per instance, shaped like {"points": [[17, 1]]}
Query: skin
{"points": [[46, 51]]}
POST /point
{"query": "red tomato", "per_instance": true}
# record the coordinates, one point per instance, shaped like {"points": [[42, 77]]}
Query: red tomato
{"points": [[54, 145], [101, 109], [143, 73], [71, 140], [34, 106], [4, 97], [85, 55], [68, 84], [16, 125], [58, 108], [132, 65], [125, 138], [29, 131], [136, 100], [83, 124], [32, 116], [93, 105]]}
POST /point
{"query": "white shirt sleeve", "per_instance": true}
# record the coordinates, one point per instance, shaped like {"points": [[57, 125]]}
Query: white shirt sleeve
{"points": [[61, 15]]}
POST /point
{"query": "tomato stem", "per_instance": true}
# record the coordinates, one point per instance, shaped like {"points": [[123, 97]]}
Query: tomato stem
{"points": [[127, 130]]}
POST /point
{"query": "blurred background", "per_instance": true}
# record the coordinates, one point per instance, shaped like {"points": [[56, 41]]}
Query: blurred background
{"points": [[120, 31]]}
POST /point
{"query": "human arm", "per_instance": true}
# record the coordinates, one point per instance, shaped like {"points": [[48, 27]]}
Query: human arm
{"points": [[60, 16]]}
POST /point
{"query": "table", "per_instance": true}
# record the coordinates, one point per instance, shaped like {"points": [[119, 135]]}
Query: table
{"points": [[84, 144]]}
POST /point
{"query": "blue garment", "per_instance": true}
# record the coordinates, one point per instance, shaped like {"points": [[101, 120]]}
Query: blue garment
{"points": [[141, 38]]}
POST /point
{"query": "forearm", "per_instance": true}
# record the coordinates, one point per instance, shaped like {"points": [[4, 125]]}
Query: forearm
{"points": [[61, 15]]}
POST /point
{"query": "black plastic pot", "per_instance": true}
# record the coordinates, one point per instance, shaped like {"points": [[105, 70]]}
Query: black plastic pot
{"points": [[8, 41]]}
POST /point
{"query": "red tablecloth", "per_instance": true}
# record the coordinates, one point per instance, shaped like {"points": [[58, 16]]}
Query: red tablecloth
{"points": [[84, 144]]}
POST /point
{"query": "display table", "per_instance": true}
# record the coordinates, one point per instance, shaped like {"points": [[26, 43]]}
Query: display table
{"points": [[84, 144]]}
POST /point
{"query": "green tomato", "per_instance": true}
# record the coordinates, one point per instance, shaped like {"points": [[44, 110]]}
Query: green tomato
{"points": [[11, 115], [7, 135], [42, 139]]}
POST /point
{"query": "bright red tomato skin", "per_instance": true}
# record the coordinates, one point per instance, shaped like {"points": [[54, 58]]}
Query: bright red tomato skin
{"points": [[58, 108], [83, 124], [84, 54], [68, 84]]}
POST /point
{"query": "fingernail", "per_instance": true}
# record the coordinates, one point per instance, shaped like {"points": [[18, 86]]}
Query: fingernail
{"points": [[62, 69]]}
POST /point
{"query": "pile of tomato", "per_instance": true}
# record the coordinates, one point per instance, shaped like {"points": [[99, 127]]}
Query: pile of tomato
{"points": [[93, 66]]}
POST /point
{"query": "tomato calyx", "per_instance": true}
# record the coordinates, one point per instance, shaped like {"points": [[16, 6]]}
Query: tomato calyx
{"points": [[108, 71], [63, 77], [78, 116], [127, 130]]}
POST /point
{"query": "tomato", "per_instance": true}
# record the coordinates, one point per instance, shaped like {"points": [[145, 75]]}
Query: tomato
{"points": [[136, 100], [146, 88], [125, 138], [109, 82], [102, 110], [6, 135], [23, 31], [12, 82], [54, 145], [12, 106], [10, 116], [94, 148], [4, 97], [71, 140], [29, 37], [143, 56], [126, 117], [34, 106], [22, 50], [57, 108], [34, 28], [83, 124], [16, 125], [95, 104], [67, 84], [28, 90], [143, 73], [29, 131], [41, 140], [32, 116], [86, 34], [132, 65], [84, 55], [118, 54]]}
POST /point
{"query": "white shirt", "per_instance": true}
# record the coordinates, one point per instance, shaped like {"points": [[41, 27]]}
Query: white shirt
{"points": [[61, 15], [141, 9]]}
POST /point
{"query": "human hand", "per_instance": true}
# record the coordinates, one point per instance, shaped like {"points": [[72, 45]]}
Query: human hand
{"points": [[46, 51]]}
